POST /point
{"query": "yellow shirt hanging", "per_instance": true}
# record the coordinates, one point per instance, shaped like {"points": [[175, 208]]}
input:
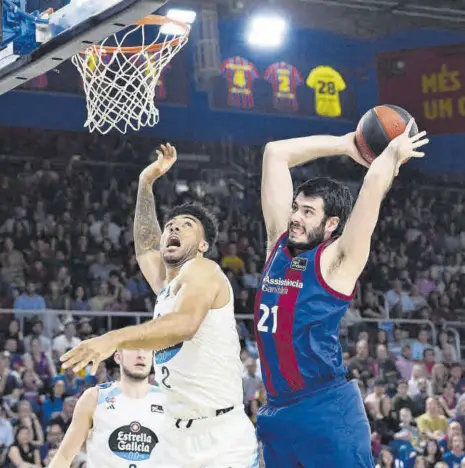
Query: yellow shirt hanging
{"points": [[327, 83]]}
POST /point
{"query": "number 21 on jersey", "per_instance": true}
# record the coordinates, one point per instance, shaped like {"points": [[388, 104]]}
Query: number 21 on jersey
{"points": [[269, 319]]}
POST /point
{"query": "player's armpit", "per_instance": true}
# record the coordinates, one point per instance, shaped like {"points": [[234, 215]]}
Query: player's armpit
{"points": [[78, 431], [344, 260], [199, 285], [153, 269]]}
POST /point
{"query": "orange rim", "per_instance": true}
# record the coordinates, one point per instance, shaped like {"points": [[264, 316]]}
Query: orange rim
{"points": [[150, 20]]}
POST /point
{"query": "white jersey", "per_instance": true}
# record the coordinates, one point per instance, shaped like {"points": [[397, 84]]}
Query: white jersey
{"points": [[125, 430], [203, 375]]}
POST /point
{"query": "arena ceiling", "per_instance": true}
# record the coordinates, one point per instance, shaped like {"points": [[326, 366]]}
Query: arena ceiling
{"points": [[359, 18]]}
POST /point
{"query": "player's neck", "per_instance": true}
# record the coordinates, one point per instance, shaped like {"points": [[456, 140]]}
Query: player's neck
{"points": [[134, 389], [172, 272]]}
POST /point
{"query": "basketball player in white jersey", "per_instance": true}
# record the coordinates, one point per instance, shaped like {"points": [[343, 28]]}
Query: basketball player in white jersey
{"points": [[193, 334], [121, 420]]}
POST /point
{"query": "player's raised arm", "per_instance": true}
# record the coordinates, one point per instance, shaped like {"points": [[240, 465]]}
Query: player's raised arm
{"points": [[147, 231], [200, 283], [353, 247], [78, 430], [277, 189]]}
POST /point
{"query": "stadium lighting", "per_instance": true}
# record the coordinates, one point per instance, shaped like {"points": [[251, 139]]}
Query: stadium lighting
{"points": [[267, 31], [186, 16]]}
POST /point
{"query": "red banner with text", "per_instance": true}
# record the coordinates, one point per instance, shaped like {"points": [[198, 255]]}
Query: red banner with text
{"points": [[429, 83]]}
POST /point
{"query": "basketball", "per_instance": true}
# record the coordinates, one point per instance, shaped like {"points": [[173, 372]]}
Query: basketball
{"points": [[378, 127]]}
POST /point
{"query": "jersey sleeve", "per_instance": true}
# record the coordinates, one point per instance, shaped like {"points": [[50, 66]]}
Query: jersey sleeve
{"points": [[312, 78], [339, 81]]}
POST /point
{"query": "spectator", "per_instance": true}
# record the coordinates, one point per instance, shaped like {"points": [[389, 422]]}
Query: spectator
{"points": [[79, 301], [418, 373], [455, 456], [373, 399], [232, 262], [432, 424], [447, 401], [26, 418], [6, 431], [63, 419], [29, 301], [22, 452], [402, 400], [9, 380], [53, 403], [398, 301], [67, 340], [396, 345], [404, 362], [252, 277], [361, 365], [13, 263], [428, 360], [445, 444], [438, 378], [408, 429], [386, 369], [250, 382], [419, 345], [431, 453], [54, 436], [444, 345], [385, 459], [72, 383], [44, 366], [37, 328]]}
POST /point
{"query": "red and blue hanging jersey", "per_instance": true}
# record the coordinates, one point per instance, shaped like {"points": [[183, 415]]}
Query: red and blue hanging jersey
{"points": [[240, 74], [297, 318], [284, 79]]}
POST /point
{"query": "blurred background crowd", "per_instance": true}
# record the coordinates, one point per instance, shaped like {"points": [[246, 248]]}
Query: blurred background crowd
{"points": [[67, 261]]}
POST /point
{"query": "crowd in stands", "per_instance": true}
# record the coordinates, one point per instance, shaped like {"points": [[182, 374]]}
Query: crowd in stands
{"points": [[66, 245]]}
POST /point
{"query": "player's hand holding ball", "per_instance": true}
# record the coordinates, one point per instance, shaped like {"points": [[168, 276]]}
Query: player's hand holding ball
{"points": [[165, 159], [405, 146], [389, 127]]}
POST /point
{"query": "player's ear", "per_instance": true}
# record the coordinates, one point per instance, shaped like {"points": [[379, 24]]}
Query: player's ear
{"points": [[332, 224], [204, 246], [117, 357]]}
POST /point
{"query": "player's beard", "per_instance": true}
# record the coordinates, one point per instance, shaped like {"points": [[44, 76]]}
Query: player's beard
{"points": [[133, 376], [179, 258], [314, 239]]}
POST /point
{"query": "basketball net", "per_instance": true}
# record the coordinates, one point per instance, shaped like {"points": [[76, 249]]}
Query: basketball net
{"points": [[120, 81]]}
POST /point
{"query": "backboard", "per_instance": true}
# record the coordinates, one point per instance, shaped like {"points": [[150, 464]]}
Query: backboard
{"points": [[33, 42]]}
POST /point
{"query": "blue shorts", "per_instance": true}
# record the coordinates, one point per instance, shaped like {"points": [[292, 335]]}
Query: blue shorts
{"points": [[327, 429]]}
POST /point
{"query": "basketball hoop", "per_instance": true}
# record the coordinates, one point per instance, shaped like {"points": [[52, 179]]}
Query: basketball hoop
{"points": [[120, 81]]}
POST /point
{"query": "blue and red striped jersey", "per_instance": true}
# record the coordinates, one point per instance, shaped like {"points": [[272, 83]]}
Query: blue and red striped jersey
{"points": [[285, 79], [240, 74], [297, 318]]}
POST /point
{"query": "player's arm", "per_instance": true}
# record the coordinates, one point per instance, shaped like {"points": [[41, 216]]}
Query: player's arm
{"points": [[147, 231], [352, 249], [78, 431], [200, 283], [277, 189]]}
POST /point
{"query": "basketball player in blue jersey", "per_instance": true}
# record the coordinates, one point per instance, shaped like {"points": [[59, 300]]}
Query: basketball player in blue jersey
{"points": [[317, 248]]}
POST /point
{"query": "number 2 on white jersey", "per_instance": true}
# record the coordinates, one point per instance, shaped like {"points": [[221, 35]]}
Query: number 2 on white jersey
{"points": [[261, 327]]}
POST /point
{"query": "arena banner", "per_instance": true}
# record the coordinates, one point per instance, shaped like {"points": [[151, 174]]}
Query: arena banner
{"points": [[172, 87], [282, 88], [429, 83]]}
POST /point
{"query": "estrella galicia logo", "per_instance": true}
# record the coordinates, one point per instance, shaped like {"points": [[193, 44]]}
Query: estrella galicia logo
{"points": [[165, 355], [299, 264], [133, 442]]}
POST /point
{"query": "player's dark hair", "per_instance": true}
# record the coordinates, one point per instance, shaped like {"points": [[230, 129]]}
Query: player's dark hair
{"points": [[207, 219], [337, 199]]}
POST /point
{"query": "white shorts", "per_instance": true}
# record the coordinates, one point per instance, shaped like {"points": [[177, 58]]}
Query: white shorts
{"points": [[225, 441]]}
